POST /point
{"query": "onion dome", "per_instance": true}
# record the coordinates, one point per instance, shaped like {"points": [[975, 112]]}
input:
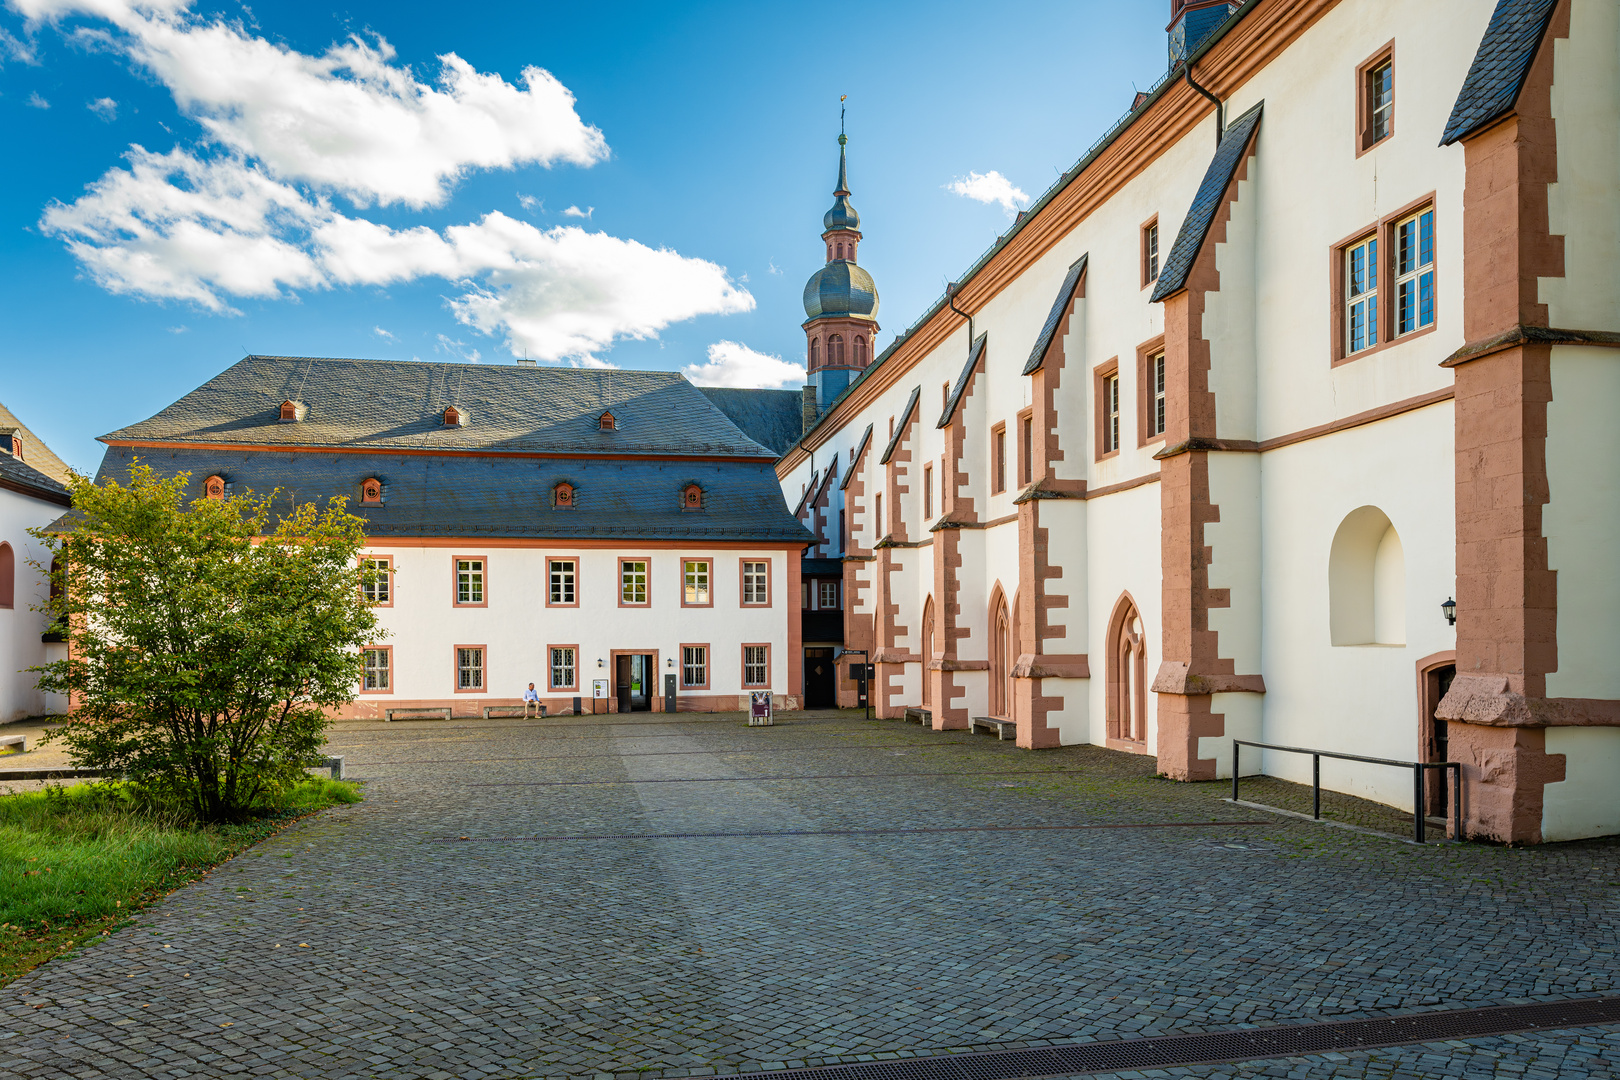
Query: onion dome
{"points": [[842, 215], [841, 288]]}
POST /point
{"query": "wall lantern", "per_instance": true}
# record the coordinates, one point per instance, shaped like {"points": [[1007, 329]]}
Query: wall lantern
{"points": [[599, 661], [1449, 610], [670, 663]]}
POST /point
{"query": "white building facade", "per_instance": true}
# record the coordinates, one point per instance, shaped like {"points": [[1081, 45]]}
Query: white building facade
{"points": [[32, 495]]}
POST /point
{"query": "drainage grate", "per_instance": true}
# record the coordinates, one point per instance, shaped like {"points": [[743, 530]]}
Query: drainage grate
{"points": [[1167, 1051]]}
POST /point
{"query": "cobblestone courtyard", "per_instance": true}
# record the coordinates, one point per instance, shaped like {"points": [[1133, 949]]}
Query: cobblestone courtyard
{"points": [[666, 897]]}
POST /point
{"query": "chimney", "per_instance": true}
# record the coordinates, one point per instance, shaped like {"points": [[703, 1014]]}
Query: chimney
{"points": [[807, 409]]}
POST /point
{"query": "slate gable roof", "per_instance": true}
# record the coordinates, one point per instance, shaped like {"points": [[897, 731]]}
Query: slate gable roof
{"points": [[860, 448], [962, 380], [1060, 309], [465, 495], [19, 476], [400, 404], [772, 418], [1201, 215], [900, 425], [1496, 76], [36, 454]]}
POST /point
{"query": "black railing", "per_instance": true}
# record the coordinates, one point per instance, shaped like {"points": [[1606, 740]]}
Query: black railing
{"points": [[1418, 769]]}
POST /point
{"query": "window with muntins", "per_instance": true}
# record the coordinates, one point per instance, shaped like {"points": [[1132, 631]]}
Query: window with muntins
{"points": [[1027, 451], [828, 598], [633, 581], [1380, 102], [1414, 273], [756, 665], [469, 581], [696, 588], [928, 491], [562, 668], [694, 665], [1156, 414], [998, 454], [380, 589], [376, 676], [756, 582], [1361, 295], [469, 669], [1110, 414], [561, 574], [1150, 253]]}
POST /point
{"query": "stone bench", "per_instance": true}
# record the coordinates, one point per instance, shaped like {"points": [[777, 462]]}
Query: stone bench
{"points": [[426, 713], [14, 744], [920, 716], [1001, 729], [509, 710]]}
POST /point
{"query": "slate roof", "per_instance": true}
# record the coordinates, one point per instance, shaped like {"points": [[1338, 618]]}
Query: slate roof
{"points": [[464, 495], [1496, 76], [900, 425], [16, 474], [860, 448], [962, 380], [35, 453], [772, 418], [1060, 309], [399, 404], [841, 288], [1201, 215]]}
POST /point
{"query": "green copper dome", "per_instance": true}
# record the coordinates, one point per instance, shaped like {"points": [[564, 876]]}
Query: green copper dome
{"points": [[841, 288]]}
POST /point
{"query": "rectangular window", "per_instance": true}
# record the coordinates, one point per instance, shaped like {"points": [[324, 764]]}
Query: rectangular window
{"points": [[1026, 450], [695, 666], [564, 671], [381, 589], [1150, 252], [877, 516], [1361, 295], [376, 679], [1156, 366], [632, 581], [804, 595], [756, 582], [470, 581], [828, 598], [928, 491], [562, 577], [756, 665], [469, 669], [1414, 273], [695, 586], [1380, 102], [998, 458], [1110, 413]]}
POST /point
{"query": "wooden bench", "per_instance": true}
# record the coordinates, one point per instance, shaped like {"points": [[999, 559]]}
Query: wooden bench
{"points": [[442, 714], [1001, 729], [14, 744], [920, 716], [509, 710]]}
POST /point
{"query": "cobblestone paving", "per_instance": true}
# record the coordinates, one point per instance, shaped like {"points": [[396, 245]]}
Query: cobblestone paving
{"points": [[463, 921]]}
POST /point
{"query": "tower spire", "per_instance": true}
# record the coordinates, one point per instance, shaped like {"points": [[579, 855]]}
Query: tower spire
{"points": [[840, 299], [843, 140]]}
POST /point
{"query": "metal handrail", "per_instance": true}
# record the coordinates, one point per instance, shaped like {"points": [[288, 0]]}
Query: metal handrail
{"points": [[1417, 767]]}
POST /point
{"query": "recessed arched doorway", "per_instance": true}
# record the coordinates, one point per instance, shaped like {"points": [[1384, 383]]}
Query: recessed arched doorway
{"points": [[1001, 655], [1127, 673], [927, 649]]}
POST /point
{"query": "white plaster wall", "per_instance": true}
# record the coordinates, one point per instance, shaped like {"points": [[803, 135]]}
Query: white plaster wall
{"points": [[1242, 713], [1583, 803], [516, 627], [1067, 539], [21, 626], [1359, 699], [1229, 316], [1238, 546], [1583, 205], [1582, 520], [1122, 535]]}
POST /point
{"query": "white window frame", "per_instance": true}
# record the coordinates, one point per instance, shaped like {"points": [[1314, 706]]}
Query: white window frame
{"points": [[377, 675], [694, 666], [1111, 413], [469, 668], [1380, 101], [1410, 276], [469, 581], [1151, 242], [562, 584], [824, 591], [756, 577], [1156, 373], [381, 590], [1366, 300], [633, 581], [564, 658], [695, 581], [761, 665]]}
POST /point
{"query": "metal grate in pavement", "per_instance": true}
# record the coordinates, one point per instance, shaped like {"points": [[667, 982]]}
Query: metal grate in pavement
{"points": [[849, 832], [1169, 1051]]}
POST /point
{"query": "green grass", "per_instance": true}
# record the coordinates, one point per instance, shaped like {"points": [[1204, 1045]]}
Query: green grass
{"points": [[76, 862]]}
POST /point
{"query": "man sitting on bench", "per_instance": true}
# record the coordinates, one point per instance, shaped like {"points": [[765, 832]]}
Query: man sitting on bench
{"points": [[531, 699]]}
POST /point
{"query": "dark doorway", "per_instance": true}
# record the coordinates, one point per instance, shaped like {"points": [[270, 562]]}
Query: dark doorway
{"points": [[1437, 681], [633, 675], [820, 679]]}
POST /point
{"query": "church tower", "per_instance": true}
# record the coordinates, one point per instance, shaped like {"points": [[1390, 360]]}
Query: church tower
{"points": [[840, 300]]}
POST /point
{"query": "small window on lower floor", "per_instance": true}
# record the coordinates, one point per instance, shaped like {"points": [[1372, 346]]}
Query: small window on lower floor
{"points": [[562, 668], [694, 665], [376, 676], [756, 665], [469, 668]]}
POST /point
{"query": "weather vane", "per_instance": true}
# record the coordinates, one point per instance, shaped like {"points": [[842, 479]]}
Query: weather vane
{"points": [[841, 99]]}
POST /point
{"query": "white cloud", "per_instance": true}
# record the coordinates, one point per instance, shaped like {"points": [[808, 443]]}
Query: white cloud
{"points": [[106, 108], [12, 48], [179, 329], [458, 349], [574, 211], [732, 363], [36, 101], [530, 203], [384, 334], [990, 187], [350, 120]]}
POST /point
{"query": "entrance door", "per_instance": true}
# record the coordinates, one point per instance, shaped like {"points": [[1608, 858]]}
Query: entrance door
{"points": [[819, 679], [1437, 783], [621, 680], [641, 683]]}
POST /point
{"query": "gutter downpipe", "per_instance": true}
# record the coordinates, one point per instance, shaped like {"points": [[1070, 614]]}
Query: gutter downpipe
{"points": [[1220, 109], [950, 299]]}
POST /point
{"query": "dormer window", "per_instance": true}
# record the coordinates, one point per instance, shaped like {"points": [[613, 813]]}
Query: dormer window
{"points": [[453, 417], [17, 447], [214, 487], [371, 492], [292, 411], [607, 422], [692, 497], [562, 496]]}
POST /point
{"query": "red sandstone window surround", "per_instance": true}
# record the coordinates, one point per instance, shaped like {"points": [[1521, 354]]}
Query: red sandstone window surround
{"points": [[928, 491], [1152, 397], [452, 416], [379, 670], [697, 580], [756, 582], [472, 676], [1026, 447], [1150, 251], [381, 590], [214, 487], [469, 580], [371, 492], [1375, 99], [756, 660], [692, 497], [562, 496], [695, 666], [562, 673], [1106, 392], [998, 458], [1384, 282], [288, 412], [8, 576], [635, 582], [607, 422], [562, 582]]}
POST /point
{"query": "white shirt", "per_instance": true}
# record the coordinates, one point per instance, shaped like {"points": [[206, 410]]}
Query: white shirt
{"points": [[531, 695]]}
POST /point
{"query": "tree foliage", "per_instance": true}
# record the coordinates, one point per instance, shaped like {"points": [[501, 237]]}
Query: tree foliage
{"points": [[207, 641]]}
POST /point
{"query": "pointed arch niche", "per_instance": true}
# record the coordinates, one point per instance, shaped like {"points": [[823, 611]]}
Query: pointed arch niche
{"points": [[1127, 676], [1002, 654], [928, 652]]}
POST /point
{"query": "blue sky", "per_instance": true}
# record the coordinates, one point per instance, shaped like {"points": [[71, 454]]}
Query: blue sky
{"points": [[188, 183]]}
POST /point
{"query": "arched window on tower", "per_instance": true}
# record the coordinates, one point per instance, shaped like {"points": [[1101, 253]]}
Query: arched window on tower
{"points": [[840, 251], [835, 350], [815, 351], [860, 351]]}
